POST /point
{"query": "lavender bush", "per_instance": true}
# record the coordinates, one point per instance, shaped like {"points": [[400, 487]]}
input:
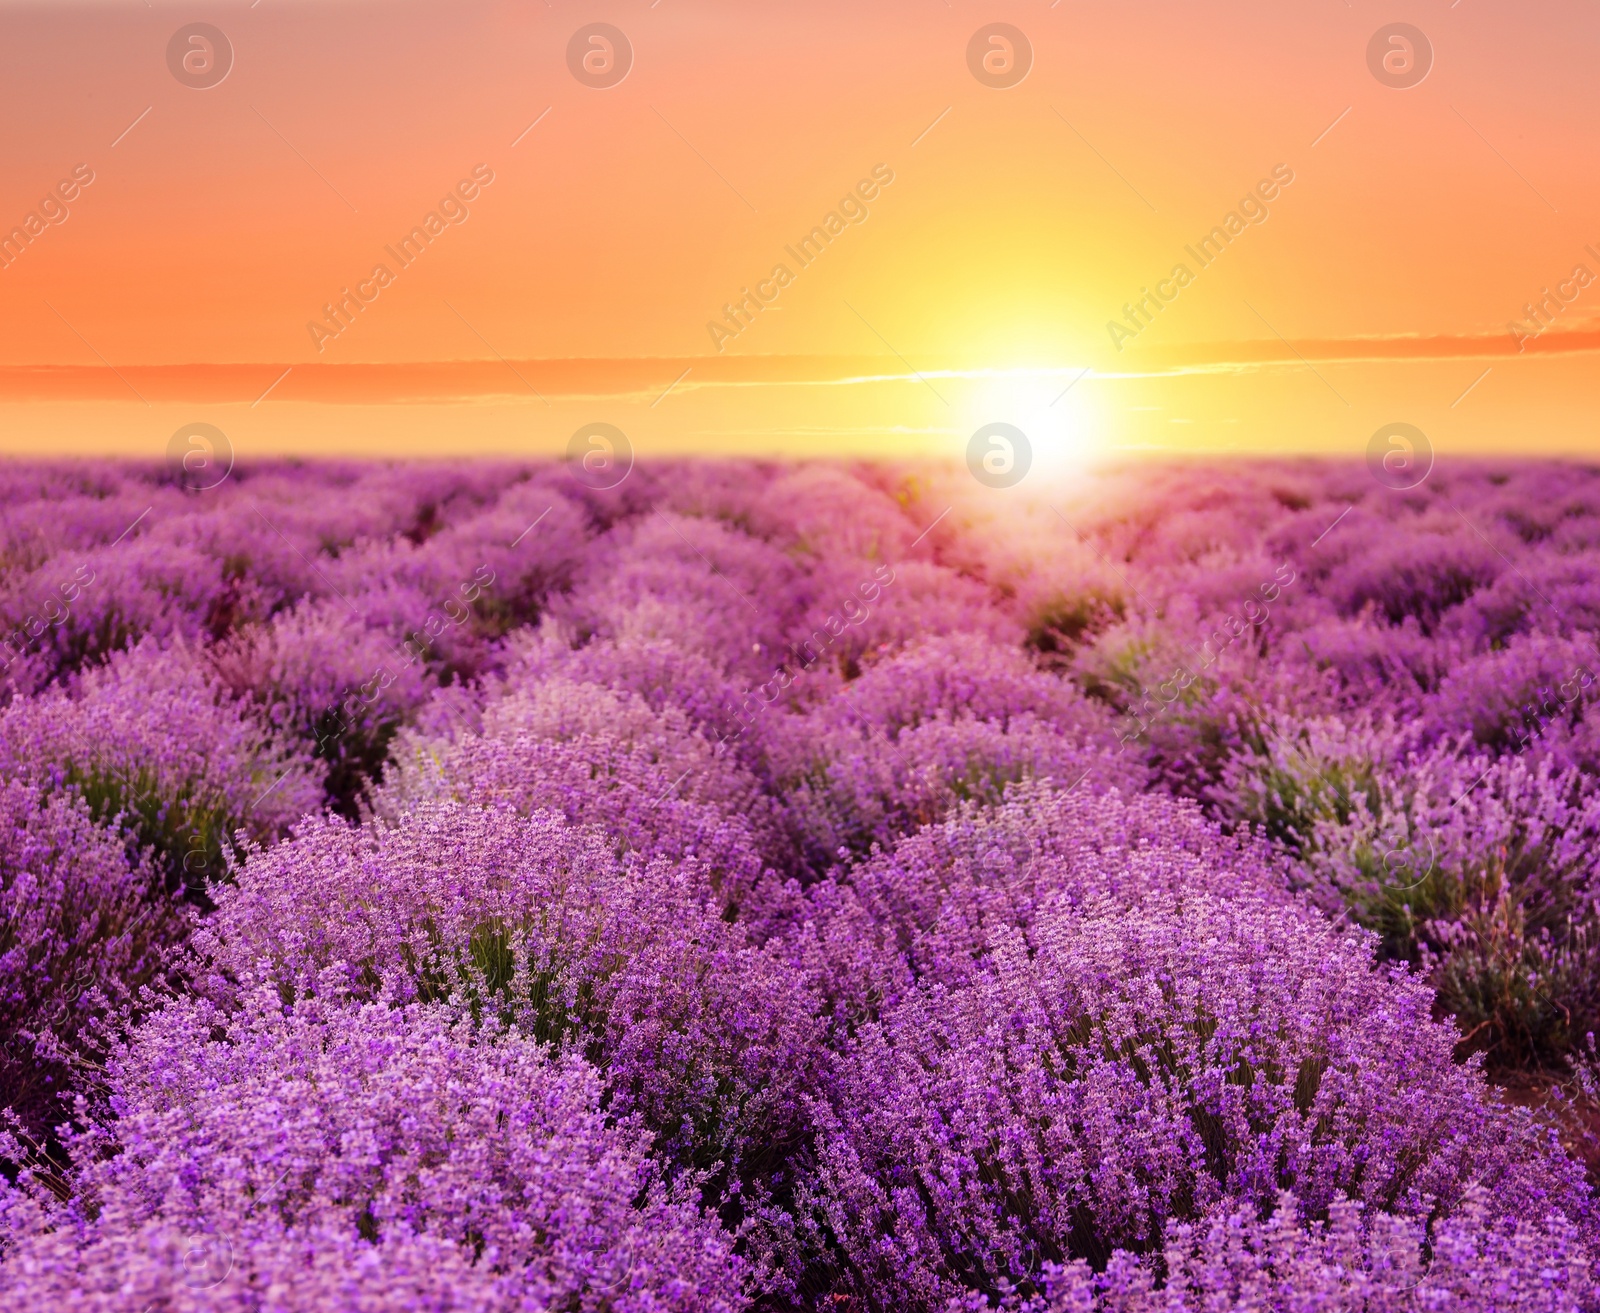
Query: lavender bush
{"points": [[1114, 1072], [534, 924], [154, 744], [324, 1154], [80, 932]]}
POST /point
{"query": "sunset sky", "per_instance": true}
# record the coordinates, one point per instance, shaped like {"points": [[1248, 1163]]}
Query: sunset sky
{"points": [[976, 286]]}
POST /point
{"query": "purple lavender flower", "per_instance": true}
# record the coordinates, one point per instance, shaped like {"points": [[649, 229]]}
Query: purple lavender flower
{"points": [[954, 720], [798, 887], [155, 744], [597, 757], [707, 1037], [1480, 869], [1117, 1070], [327, 1154], [81, 931], [320, 674]]}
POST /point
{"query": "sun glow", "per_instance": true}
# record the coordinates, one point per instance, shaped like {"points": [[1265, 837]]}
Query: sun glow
{"points": [[1054, 409]]}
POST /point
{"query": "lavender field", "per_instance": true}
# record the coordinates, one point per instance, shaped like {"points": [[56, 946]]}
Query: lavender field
{"points": [[799, 887]]}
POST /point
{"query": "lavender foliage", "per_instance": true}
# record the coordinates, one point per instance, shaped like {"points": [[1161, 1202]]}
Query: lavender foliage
{"points": [[799, 887]]}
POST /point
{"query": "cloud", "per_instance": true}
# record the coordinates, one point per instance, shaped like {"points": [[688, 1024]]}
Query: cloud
{"points": [[629, 379]]}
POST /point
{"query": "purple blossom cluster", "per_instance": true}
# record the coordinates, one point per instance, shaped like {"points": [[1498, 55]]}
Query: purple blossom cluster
{"points": [[83, 931], [156, 747], [326, 1154], [799, 887]]}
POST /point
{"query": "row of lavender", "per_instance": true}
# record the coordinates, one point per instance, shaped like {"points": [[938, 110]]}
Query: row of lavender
{"points": [[797, 887]]}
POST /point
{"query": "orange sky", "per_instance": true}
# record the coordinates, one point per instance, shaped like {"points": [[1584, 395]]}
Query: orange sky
{"points": [[978, 285]]}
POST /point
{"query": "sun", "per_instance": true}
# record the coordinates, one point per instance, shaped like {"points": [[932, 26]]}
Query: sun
{"points": [[1055, 410]]}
